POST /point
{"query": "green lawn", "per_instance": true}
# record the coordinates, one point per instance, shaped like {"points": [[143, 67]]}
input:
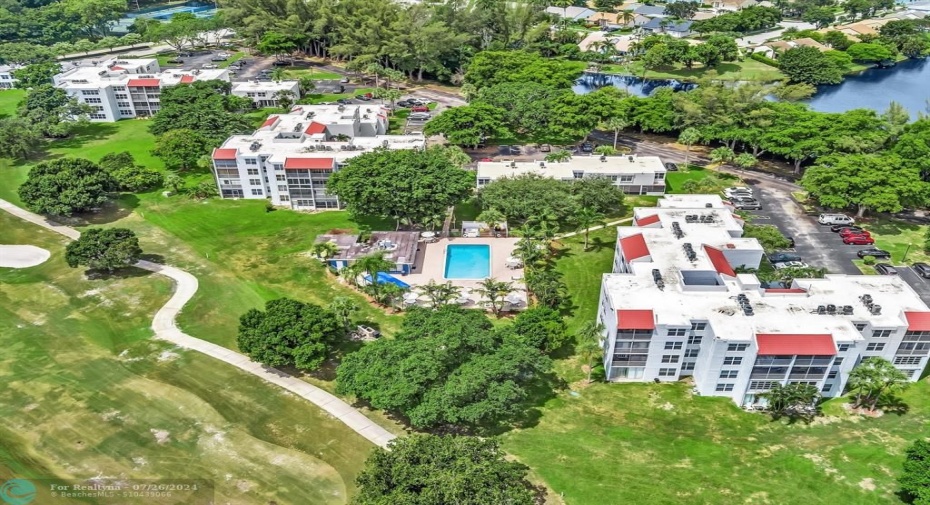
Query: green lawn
{"points": [[9, 100], [315, 98], [87, 392], [746, 70], [899, 238], [675, 180], [316, 75], [236, 56]]}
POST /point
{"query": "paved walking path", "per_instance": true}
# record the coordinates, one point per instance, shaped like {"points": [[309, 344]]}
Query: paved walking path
{"points": [[165, 328], [612, 223]]}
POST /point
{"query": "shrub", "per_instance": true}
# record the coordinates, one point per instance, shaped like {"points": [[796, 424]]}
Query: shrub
{"points": [[869, 260], [764, 59]]}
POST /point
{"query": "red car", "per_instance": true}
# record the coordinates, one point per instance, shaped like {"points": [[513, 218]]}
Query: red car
{"points": [[858, 240], [847, 232], [419, 108]]}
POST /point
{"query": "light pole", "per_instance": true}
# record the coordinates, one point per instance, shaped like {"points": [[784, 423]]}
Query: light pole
{"points": [[905, 253]]}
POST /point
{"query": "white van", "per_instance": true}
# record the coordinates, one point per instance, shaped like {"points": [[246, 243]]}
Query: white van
{"points": [[836, 219]]}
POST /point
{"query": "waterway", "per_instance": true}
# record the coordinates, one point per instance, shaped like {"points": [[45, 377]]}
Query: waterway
{"points": [[907, 83]]}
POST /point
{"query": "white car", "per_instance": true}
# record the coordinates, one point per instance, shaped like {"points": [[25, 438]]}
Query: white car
{"points": [[791, 264], [737, 191], [420, 116], [209, 65]]}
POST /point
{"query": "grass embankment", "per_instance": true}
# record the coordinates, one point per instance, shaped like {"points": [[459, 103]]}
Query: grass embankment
{"points": [[88, 393], [9, 100], [316, 75], [746, 70], [900, 239]]}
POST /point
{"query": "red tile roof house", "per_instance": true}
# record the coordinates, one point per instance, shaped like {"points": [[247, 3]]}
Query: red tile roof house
{"points": [[678, 305]]}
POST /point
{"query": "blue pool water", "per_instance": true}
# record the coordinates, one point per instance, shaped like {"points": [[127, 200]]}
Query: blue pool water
{"points": [[468, 261]]}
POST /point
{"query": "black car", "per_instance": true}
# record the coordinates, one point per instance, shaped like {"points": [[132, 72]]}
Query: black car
{"points": [[281, 63], [840, 227], [218, 58], [545, 148], [885, 269], [404, 103], [922, 269], [790, 242], [671, 167], [342, 101], [177, 61], [875, 253], [783, 257], [587, 147]]}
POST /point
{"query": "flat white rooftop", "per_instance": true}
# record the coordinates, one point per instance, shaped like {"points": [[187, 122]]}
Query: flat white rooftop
{"points": [[120, 71], [259, 86], [588, 165]]}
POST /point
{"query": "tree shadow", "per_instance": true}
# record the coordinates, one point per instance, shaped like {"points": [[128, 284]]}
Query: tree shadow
{"points": [[82, 135], [597, 244], [120, 273], [153, 258], [891, 404], [111, 211]]}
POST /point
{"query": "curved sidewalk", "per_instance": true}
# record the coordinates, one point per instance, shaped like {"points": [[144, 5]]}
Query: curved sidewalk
{"points": [[165, 328]]}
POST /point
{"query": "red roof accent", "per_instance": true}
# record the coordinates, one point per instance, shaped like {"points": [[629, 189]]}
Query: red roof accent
{"points": [[918, 321], [144, 83], [225, 154], [635, 320], [785, 290], [115, 67], [315, 128], [647, 220], [777, 344], [721, 265], [270, 121], [292, 163], [634, 247], [187, 79]]}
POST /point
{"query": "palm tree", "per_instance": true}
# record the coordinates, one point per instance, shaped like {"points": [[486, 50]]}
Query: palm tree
{"points": [[559, 156], [278, 75], [626, 16], [495, 291], [589, 347], [745, 161], [586, 218], [324, 250], [351, 272], [617, 124], [492, 217], [343, 307], [688, 137], [874, 378], [389, 295], [440, 294], [371, 265], [284, 97], [528, 250]]}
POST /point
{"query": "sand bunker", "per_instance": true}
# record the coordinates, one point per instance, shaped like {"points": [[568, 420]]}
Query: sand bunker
{"points": [[22, 256]]}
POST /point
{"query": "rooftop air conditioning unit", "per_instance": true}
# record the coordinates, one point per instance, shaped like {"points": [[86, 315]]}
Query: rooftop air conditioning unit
{"points": [[630, 159], [603, 158], [709, 205], [542, 164]]}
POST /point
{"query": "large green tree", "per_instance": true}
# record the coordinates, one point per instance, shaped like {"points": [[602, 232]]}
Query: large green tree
{"points": [[205, 107], [408, 186], [52, 111], [528, 196], [809, 65], [65, 186], [37, 74], [875, 379], [915, 480], [442, 470], [104, 249], [495, 67], [128, 175], [540, 327], [879, 182], [289, 333], [869, 53], [469, 125], [181, 149], [18, 138]]}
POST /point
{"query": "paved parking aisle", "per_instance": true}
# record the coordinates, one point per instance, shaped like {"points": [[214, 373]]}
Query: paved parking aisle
{"points": [[921, 285]]}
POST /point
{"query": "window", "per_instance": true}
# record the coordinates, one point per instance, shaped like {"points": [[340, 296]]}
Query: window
{"points": [[252, 171], [93, 100], [256, 192], [874, 346], [732, 361], [909, 373], [837, 361], [255, 182], [285, 198], [280, 177], [860, 326], [119, 88], [907, 360], [250, 94], [672, 346], [666, 372], [729, 374], [121, 96], [282, 189], [90, 92], [304, 203], [692, 353], [724, 387], [832, 375], [122, 104], [827, 387], [763, 385], [98, 108], [251, 161], [670, 358], [626, 178], [842, 347], [98, 116], [677, 332], [278, 166], [737, 347], [687, 367], [692, 340], [698, 326], [483, 180], [125, 112], [881, 333]]}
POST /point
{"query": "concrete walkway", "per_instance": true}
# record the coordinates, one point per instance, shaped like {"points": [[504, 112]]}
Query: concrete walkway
{"points": [[165, 328], [612, 223]]}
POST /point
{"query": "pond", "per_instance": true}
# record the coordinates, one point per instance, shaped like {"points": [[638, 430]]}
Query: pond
{"points": [[907, 83]]}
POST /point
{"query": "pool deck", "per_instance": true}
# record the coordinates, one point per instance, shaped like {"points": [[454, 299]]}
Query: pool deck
{"points": [[431, 263]]}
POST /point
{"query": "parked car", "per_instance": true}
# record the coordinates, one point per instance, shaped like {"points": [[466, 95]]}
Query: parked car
{"points": [[176, 61], [839, 227], [545, 148], [791, 264], [858, 240], [417, 101], [219, 58], [848, 233], [419, 108], [740, 198], [671, 167], [419, 116], [875, 253], [587, 147], [209, 65], [751, 204], [342, 101], [404, 103], [790, 242], [368, 331], [281, 63], [922, 269], [836, 219], [885, 269], [737, 190], [782, 257], [344, 80]]}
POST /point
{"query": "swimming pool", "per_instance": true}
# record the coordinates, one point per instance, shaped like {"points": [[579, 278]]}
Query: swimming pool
{"points": [[468, 261]]}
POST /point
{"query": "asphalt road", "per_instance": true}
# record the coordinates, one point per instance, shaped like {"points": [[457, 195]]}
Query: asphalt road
{"points": [[920, 285]]}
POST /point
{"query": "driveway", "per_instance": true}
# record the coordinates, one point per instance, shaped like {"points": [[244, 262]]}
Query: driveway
{"points": [[920, 285]]}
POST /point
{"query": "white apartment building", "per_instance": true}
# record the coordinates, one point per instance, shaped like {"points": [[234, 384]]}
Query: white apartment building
{"points": [[291, 156], [7, 81], [675, 306], [127, 88], [264, 93], [636, 175]]}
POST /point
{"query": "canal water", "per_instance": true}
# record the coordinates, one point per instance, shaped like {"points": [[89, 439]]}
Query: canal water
{"points": [[907, 83]]}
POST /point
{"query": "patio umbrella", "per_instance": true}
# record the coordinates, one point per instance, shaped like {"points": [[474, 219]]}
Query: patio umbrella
{"points": [[514, 298]]}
